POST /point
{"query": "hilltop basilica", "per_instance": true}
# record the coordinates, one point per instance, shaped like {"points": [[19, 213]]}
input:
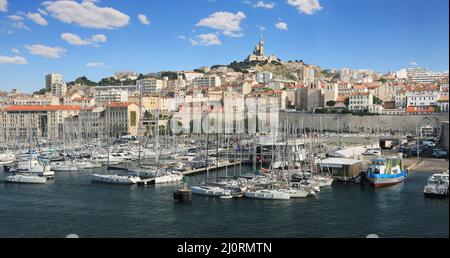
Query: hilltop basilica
{"points": [[259, 53]]}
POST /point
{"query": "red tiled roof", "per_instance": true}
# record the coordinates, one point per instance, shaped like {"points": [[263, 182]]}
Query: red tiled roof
{"points": [[42, 108], [341, 98], [121, 104], [413, 109]]}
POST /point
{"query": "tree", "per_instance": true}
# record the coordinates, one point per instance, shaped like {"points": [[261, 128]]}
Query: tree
{"points": [[147, 114], [40, 92], [377, 101], [170, 75], [83, 81], [347, 102], [331, 103]]}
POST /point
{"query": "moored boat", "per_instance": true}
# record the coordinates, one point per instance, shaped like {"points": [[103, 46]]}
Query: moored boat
{"points": [[212, 191], [267, 195], [25, 179], [115, 179], [385, 172], [438, 186]]}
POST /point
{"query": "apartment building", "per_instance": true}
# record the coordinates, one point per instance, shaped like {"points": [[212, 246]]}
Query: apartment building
{"points": [[360, 101], [44, 121]]}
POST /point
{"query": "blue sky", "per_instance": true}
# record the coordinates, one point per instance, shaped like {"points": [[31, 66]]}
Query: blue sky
{"points": [[382, 35]]}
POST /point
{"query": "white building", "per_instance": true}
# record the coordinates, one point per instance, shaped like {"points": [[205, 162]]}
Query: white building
{"points": [[125, 75], [421, 100], [263, 77], [151, 85], [402, 74], [59, 88], [330, 92], [401, 99], [360, 101], [376, 109], [51, 79], [35, 101], [420, 75], [17, 122], [207, 81], [103, 96]]}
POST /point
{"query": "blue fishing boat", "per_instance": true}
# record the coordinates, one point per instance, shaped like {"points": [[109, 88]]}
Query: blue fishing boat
{"points": [[384, 172]]}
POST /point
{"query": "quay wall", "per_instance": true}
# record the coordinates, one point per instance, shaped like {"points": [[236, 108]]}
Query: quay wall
{"points": [[375, 123], [444, 135]]}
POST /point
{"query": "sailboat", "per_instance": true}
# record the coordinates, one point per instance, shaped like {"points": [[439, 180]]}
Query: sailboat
{"points": [[210, 190], [166, 176], [31, 171], [119, 179]]}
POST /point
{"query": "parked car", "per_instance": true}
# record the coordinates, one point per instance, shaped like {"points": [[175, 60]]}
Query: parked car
{"points": [[440, 154], [428, 144], [372, 151]]}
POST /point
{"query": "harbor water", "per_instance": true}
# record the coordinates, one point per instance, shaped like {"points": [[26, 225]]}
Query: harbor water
{"points": [[71, 204]]}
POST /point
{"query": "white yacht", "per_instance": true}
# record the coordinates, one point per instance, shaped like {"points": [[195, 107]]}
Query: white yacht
{"points": [[26, 179], [6, 158], [296, 192], [85, 164], [64, 166], [322, 181], [211, 191], [32, 166], [267, 195], [115, 179], [169, 178], [438, 186]]}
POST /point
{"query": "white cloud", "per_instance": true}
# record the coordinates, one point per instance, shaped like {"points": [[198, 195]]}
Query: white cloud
{"points": [[42, 11], [12, 60], [45, 51], [99, 38], [182, 37], [207, 40], [3, 5], [306, 6], [78, 41], [15, 51], [281, 26], [261, 28], [15, 18], [262, 4], [16, 23], [37, 18], [87, 14], [228, 23], [143, 19], [73, 39], [95, 64], [414, 63]]}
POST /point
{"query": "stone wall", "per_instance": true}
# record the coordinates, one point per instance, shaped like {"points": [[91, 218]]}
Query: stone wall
{"points": [[377, 123], [444, 135]]}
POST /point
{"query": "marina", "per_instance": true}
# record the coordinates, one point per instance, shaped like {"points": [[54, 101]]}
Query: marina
{"points": [[70, 203]]}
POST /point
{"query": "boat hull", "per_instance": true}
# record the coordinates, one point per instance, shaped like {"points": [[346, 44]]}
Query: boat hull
{"points": [[21, 179], [436, 195], [113, 180], [168, 179], [382, 180], [267, 195], [209, 191]]}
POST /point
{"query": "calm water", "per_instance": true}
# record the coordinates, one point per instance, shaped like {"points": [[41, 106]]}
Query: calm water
{"points": [[72, 204]]}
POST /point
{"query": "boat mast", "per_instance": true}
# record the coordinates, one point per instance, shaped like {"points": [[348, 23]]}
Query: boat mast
{"points": [[107, 130], [139, 126], [157, 136], [217, 144]]}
